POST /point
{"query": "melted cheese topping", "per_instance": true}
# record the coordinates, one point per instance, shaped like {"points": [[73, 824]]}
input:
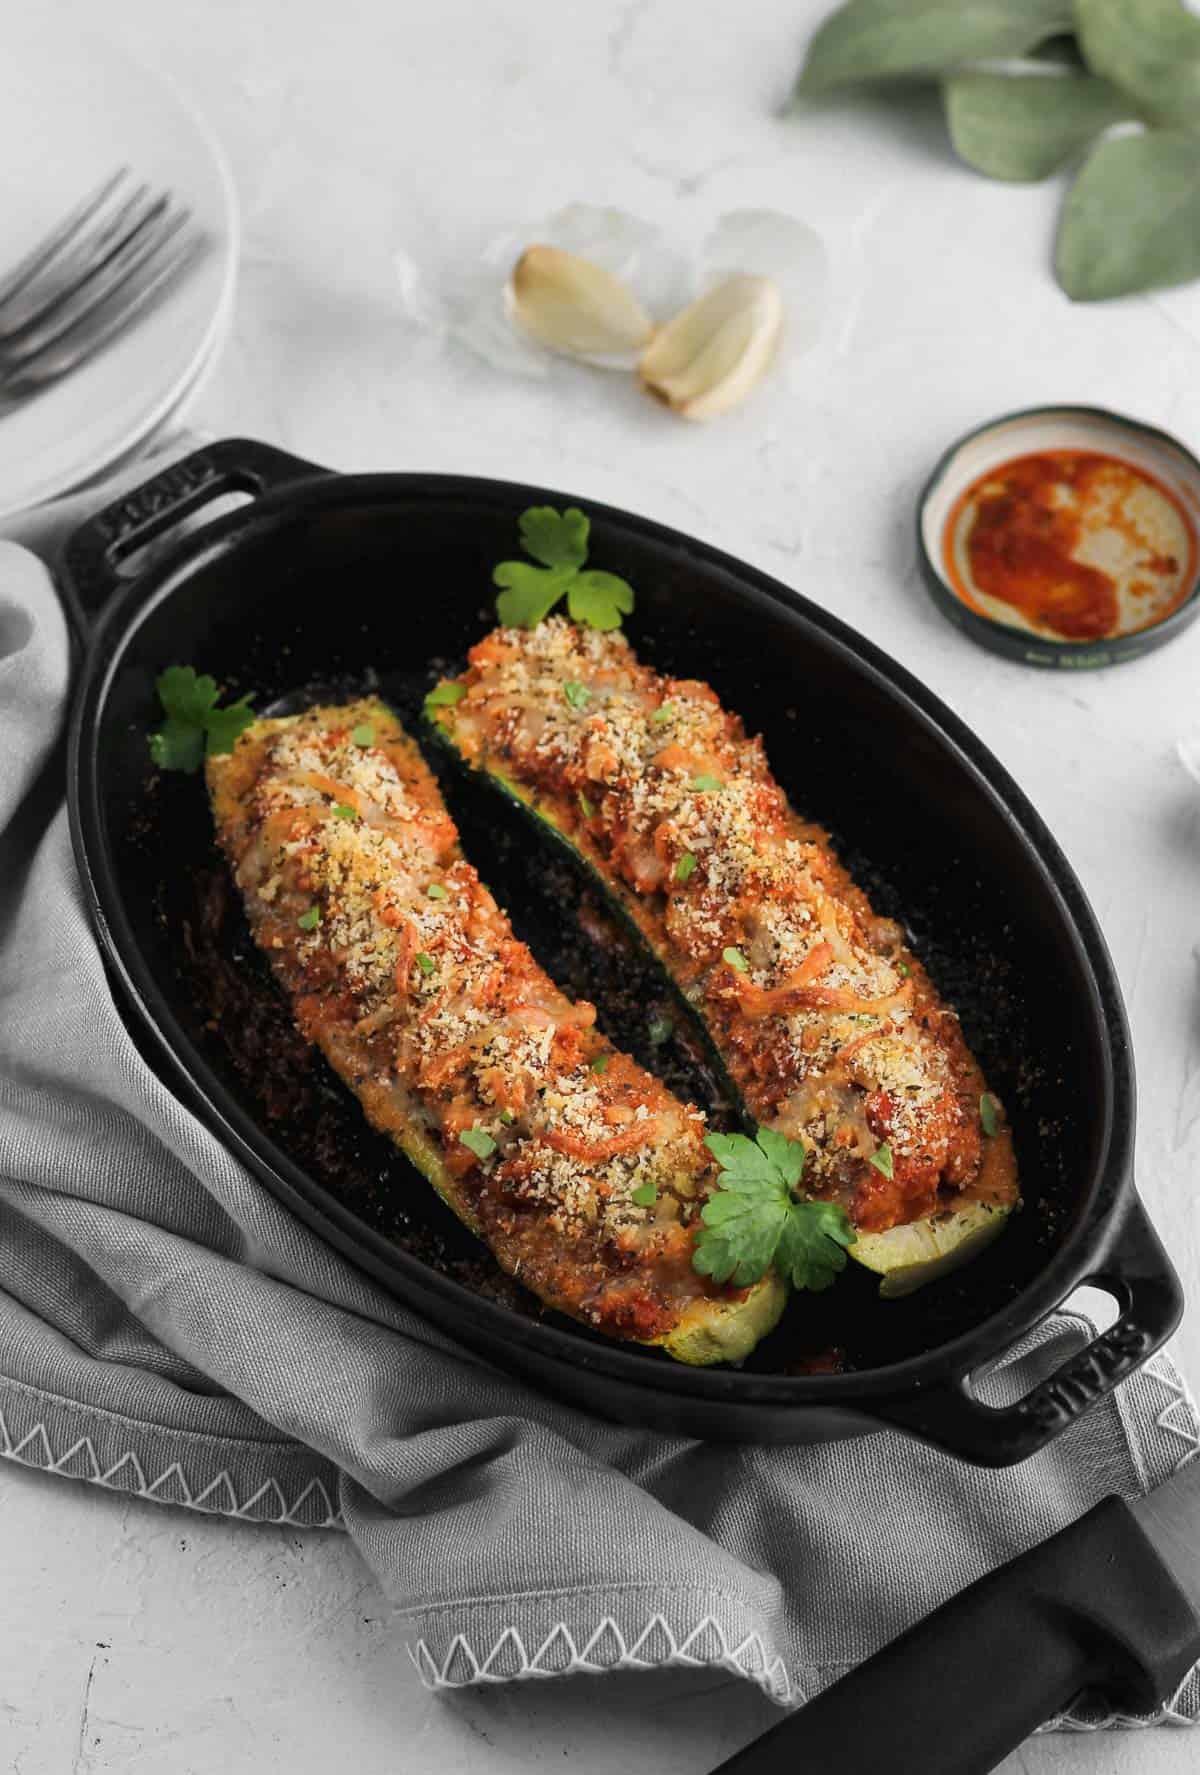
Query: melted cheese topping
{"points": [[827, 1023], [412, 982]]}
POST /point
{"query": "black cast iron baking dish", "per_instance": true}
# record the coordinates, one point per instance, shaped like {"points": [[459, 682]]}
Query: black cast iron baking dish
{"points": [[323, 581]]}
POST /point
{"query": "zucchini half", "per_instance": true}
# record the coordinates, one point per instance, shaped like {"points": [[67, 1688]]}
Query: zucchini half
{"points": [[710, 1329], [306, 808], [905, 1257]]}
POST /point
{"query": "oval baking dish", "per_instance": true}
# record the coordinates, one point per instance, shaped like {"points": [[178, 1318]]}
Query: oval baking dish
{"points": [[327, 582]]}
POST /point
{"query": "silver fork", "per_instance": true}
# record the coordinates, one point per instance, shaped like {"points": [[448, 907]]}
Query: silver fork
{"points": [[107, 262]]}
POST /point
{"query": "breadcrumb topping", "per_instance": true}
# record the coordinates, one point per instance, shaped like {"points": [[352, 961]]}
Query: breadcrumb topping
{"points": [[403, 967], [827, 1023]]}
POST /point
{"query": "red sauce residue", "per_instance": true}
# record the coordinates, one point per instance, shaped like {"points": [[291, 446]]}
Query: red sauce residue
{"points": [[1028, 523]]}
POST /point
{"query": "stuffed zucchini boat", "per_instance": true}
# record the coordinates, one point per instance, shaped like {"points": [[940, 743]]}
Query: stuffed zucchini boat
{"points": [[579, 1170], [825, 1023]]}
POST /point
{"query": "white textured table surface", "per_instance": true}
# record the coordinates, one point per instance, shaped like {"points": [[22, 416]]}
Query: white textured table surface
{"points": [[154, 1641]]}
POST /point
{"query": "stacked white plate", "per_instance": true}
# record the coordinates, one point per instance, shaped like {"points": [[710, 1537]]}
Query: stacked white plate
{"points": [[74, 107]]}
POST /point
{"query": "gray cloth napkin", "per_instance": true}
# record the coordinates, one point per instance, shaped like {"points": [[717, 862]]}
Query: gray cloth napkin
{"points": [[168, 1330]]}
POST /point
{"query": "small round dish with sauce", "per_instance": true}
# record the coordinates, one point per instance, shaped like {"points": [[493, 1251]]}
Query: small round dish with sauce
{"points": [[1064, 536]]}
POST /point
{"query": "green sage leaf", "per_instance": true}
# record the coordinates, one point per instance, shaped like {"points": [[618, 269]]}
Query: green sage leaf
{"points": [[1132, 218], [1151, 48], [880, 39], [1024, 126]]}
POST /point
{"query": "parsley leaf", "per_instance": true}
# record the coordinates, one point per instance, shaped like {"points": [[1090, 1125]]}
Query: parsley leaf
{"points": [[599, 600], [445, 695], [343, 811], [435, 891], [194, 725], [478, 1141], [881, 1158], [754, 1219], [736, 959], [741, 1234], [739, 1156], [177, 745], [685, 866], [787, 1156], [662, 714], [224, 725], [645, 1195], [577, 694], [812, 1248], [704, 783], [558, 541], [530, 593], [363, 734], [425, 962], [308, 921], [599, 1062], [186, 694], [988, 1118]]}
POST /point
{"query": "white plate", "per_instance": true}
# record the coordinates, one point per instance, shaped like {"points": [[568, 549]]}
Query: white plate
{"points": [[73, 107], [159, 437]]}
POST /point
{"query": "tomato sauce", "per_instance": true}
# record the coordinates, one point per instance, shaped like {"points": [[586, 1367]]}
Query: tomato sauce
{"points": [[1071, 543]]}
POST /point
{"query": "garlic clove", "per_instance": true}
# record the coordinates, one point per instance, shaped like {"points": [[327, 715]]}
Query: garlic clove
{"points": [[709, 357], [576, 307]]}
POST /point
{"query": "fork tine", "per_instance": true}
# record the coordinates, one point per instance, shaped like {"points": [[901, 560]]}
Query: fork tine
{"points": [[108, 233], [48, 248], [83, 340], [90, 255], [94, 290]]}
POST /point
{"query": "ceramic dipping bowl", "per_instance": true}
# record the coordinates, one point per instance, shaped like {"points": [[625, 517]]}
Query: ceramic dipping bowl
{"points": [[1064, 537]]}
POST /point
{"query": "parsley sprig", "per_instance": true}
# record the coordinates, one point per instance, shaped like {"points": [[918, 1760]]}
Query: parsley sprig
{"points": [[755, 1218], [194, 727], [558, 541]]}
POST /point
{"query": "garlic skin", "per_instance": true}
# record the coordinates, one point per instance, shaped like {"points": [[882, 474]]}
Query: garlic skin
{"points": [[710, 355], [575, 307]]}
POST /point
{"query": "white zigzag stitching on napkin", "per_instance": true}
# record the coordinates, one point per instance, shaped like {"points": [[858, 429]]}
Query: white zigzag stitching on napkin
{"points": [[705, 1646], [217, 1498], [509, 1661], [1178, 1416], [1169, 1714], [560, 1655]]}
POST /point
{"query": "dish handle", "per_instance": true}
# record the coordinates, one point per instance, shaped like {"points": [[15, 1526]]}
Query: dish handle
{"points": [[90, 571], [1135, 1268]]}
